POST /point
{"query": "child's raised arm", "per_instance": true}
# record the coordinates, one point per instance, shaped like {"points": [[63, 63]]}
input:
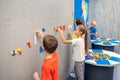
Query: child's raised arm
{"points": [[64, 40]]}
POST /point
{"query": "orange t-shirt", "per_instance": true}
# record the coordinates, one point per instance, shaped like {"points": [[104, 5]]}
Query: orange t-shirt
{"points": [[50, 68]]}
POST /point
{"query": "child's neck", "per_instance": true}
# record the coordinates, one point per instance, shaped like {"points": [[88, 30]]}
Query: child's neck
{"points": [[80, 36], [48, 55]]}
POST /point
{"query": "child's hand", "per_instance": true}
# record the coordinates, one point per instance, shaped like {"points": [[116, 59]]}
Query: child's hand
{"points": [[39, 33], [58, 29], [36, 77]]}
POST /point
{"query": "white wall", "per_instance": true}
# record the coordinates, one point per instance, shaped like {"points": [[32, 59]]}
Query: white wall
{"points": [[18, 20]]}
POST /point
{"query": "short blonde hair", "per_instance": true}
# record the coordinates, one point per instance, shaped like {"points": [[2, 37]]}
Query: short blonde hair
{"points": [[94, 23]]}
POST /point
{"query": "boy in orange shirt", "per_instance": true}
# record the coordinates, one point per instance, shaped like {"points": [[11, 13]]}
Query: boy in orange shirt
{"points": [[50, 64]]}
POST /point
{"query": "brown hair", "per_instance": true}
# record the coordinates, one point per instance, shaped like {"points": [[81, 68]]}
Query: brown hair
{"points": [[79, 21], [84, 32], [50, 43]]}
